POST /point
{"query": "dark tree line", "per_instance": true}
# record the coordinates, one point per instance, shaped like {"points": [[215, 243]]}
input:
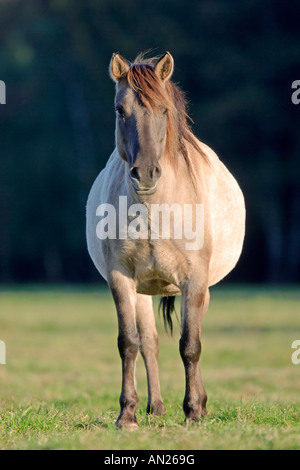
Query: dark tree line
{"points": [[235, 60]]}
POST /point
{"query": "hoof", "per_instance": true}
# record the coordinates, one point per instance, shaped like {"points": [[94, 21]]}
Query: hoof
{"points": [[195, 417], [129, 424], [195, 407], [194, 413]]}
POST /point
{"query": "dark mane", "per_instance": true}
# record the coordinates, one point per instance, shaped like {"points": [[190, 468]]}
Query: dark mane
{"points": [[143, 80]]}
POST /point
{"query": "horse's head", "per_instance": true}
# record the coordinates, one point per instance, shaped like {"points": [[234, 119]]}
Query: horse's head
{"points": [[142, 105]]}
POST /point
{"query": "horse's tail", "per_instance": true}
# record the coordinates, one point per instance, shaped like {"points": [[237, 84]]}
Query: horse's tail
{"points": [[167, 304]]}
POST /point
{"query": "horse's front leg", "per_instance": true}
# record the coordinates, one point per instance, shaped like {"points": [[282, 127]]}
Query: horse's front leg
{"points": [[194, 306], [124, 293], [149, 350]]}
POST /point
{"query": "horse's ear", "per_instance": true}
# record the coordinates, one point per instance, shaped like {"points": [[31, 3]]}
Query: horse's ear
{"points": [[164, 67], [118, 67]]}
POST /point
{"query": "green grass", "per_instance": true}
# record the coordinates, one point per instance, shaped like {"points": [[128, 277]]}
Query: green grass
{"points": [[61, 384]]}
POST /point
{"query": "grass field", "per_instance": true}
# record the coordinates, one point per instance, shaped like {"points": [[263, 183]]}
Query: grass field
{"points": [[61, 382]]}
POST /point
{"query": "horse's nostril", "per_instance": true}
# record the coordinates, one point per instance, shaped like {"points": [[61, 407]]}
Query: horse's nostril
{"points": [[145, 175], [155, 172], [134, 173]]}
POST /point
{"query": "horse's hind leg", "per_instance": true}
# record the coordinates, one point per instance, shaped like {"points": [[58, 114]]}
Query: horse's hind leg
{"points": [[194, 307], [149, 350], [124, 293]]}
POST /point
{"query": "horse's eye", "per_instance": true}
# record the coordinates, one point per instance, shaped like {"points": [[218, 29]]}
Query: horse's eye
{"points": [[120, 112]]}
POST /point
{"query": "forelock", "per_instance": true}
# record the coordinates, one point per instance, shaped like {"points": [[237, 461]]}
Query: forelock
{"points": [[143, 80]]}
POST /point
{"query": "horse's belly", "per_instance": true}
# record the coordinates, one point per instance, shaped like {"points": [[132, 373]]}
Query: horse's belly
{"points": [[157, 287], [158, 267], [228, 228]]}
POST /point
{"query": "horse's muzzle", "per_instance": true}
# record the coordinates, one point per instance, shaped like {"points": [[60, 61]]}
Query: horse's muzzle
{"points": [[144, 180], [146, 191], [142, 190]]}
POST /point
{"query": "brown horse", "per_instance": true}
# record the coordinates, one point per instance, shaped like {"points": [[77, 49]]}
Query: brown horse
{"points": [[165, 217]]}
